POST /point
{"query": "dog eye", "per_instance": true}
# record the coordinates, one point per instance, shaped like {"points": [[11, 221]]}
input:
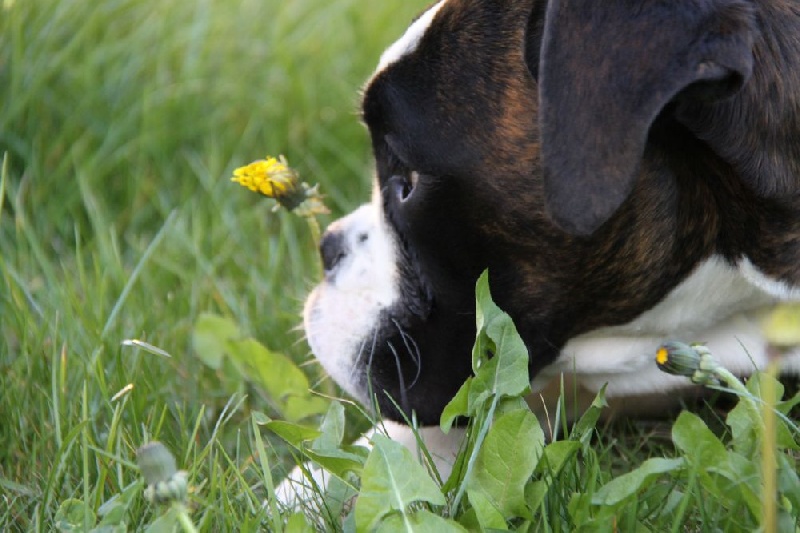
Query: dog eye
{"points": [[402, 186]]}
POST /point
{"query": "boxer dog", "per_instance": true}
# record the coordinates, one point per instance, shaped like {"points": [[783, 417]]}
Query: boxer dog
{"points": [[627, 171]]}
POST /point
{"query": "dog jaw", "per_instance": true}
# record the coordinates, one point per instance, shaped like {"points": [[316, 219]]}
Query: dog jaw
{"points": [[340, 315]]}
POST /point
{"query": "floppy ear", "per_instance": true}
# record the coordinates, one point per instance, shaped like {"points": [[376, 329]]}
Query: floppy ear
{"points": [[606, 70]]}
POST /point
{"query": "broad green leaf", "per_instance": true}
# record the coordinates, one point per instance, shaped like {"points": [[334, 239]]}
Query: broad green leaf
{"points": [[336, 460], [73, 515], [275, 372], [469, 520], [700, 446], [758, 381], [786, 438], [115, 514], [787, 405], [709, 458], [327, 451], [233, 375], [458, 406], [788, 481], [746, 426], [535, 493], [506, 372], [332, 428], [506, 461], [339, 461], [294, 434], [630, 484], [166, 523], [339, 495], [110, 528], [487, 514], [583, 430], [744, 481], [555, 456], [390, 481], [114, 510], [349, 523], [511, 403], [486, 312], [279, 377], [744, 430], [211, 336], [298, 406], [420, 522]]}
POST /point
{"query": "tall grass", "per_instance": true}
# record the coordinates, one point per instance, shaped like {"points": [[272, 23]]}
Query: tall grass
{"points": [[120, 121]]}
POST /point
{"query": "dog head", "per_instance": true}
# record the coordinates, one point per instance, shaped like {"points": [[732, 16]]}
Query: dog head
{"points": [[545, 142]]}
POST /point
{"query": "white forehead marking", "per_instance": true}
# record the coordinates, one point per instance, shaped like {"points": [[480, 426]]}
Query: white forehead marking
{"points": [[409, 41]]}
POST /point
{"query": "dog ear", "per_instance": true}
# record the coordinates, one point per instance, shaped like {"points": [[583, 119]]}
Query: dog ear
{"points": [[606, 70]]}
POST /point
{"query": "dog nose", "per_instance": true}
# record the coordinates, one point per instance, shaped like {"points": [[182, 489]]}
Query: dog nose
{"points": [[332, 249]]}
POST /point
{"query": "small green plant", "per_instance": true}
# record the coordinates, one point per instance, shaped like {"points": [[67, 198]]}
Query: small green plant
{"points": [[507, 477], [165, 485]]}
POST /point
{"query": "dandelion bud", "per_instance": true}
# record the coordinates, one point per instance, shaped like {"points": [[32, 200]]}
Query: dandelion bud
{"points": [[692, 361], [156, 463], [175, 488], [165, 482]]}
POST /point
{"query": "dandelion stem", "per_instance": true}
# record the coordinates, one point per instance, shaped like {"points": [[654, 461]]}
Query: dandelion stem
{"points": [[313, 225], [183, 518], [769, 511], [723, 374]]}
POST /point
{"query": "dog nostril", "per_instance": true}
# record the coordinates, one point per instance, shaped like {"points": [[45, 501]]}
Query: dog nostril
{"points": [[332, 250]]}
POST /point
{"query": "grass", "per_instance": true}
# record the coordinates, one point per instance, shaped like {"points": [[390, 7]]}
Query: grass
{"points": [[120, 122]]}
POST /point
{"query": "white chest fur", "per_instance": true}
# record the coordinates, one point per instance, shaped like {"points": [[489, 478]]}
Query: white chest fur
{"points": [[717, 304]]}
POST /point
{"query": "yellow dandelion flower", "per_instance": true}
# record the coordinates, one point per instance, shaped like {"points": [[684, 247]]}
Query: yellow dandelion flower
{"points": [[274, 178], [271, 177], [662, 356]]}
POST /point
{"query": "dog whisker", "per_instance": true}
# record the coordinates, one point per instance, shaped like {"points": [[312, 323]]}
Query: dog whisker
{"points": [[413, 352], [322, 379], [402, 383], [300, 340], [309, 362], [357, 360]]}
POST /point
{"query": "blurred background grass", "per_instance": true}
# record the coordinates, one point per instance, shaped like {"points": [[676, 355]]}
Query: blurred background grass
{"points": [[121, 122]]}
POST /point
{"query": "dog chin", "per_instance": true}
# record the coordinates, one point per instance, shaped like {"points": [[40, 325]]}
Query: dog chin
{"points": [[342, 315]]}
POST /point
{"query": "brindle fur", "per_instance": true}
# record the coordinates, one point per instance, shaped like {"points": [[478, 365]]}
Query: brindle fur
{"points": [[716, 171]]}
